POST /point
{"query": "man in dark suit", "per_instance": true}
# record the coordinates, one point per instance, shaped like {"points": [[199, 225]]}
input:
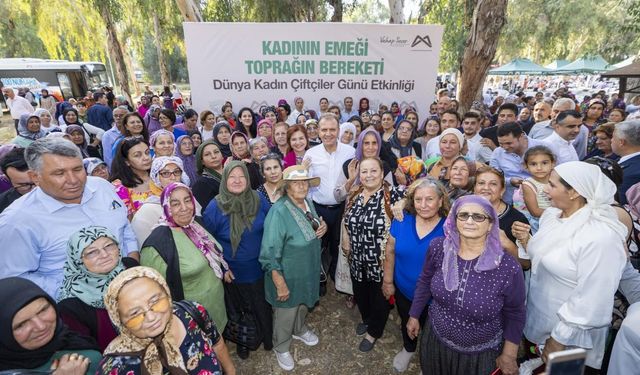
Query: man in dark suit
{"points": [[626, 143]]}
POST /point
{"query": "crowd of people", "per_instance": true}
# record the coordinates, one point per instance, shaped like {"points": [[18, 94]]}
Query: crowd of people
{"points": [[142, 241]]}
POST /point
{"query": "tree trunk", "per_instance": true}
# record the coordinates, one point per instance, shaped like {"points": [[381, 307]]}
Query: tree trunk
{"points": [[189, 10], [489, 16], [337, 10], [132, 74], [115, 49], [396, 10], [157, 38]]}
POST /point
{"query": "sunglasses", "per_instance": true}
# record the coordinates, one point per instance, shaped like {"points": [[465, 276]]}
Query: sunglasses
{"points": [[478, 218], [315, 223], [159, 306]]}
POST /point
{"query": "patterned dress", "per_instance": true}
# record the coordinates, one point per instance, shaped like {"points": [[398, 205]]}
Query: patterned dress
{"points": [[196, 349], [131, 198]]}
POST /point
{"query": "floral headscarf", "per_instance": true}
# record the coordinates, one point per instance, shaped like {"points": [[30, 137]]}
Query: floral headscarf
{"points": [[209, 248], [237, 134], [78, 281], [154, 352], [491, 256], [159, 163], [267, 123]]}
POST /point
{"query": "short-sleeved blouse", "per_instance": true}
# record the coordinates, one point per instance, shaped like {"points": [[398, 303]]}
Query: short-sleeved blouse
{"points": [[368, 229], [196, 349]]}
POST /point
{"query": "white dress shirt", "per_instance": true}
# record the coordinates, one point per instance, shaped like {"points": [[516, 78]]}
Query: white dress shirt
{"points": [[19, 106], [327, 166], [564, 149]]}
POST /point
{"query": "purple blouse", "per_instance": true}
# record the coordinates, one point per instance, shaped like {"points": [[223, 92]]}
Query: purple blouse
{"points": [[487, 308]]}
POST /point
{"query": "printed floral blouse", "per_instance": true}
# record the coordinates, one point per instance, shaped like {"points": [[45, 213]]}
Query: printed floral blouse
{"points": [[131, 198], [196, 349]]}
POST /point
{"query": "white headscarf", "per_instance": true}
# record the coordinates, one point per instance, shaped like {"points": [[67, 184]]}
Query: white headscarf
{"points": [[598, 190], [348, 126]]}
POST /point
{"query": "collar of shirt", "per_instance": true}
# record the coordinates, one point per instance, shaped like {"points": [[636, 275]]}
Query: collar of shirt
{"points": [[627, 157], [556, 138], [52, 205]]}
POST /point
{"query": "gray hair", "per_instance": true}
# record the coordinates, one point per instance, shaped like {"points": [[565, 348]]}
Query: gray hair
{"points": [[254, 141], [120, 107], [562, 102], [329, 117], [629, 131], [55, 146]]}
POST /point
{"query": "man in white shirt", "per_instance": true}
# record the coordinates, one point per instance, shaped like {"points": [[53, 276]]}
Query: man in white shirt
{"points": [[348, 110], [471, 131], [326, 160], [448, 119], [543, 129], [566, 128], [17, 105]]}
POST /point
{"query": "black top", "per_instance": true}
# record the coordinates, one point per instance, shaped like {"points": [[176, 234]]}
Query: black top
{"points": [[507, 218], [205, 190], [8, 197]]}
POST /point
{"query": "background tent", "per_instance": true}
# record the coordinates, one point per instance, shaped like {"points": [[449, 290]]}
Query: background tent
{"points": [[557, 64], [519, 66], [592, 64]]}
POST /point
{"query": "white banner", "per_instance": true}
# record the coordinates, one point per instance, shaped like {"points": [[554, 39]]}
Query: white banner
{"points": [[256, 64]]}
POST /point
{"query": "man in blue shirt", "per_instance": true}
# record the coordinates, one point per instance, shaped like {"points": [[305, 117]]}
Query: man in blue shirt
{"points": [[100, 114], [37, 226]]}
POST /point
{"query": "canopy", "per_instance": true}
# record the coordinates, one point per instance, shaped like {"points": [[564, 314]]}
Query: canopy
{"points": [[557, 64], [591, 64], [623, 63], [519, 66]]}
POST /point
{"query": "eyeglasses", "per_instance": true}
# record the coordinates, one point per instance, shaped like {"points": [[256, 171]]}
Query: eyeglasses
{"points": [[159, 306], [373, 122], [315, 223], [478, 218], [167, 174], [93, 254]]}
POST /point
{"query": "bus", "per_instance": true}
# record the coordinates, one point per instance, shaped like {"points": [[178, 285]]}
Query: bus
{"points": [[63, 79]]}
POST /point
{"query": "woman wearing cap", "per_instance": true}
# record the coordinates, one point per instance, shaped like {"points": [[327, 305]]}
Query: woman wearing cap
{"points": [[290, 258], [186, 254], [236, 219], [93, 260], [477, 294], [157, 337], [366, 224], [164, 170], [577, 258], [33, 338], [96, 167]]}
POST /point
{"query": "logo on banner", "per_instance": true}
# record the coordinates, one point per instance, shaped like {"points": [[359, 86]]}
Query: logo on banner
{"points": [[421, 40]]}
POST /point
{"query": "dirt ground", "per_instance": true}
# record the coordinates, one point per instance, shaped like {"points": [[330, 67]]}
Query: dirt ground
{"points": [[337, 352]]}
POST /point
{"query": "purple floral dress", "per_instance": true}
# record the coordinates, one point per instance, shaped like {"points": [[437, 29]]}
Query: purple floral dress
{"points": [[196, 349]]}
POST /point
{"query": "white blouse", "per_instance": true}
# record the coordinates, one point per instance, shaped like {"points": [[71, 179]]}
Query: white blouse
{"points": [[571, 291]]}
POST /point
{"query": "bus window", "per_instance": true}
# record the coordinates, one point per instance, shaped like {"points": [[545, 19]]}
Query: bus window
{"points": [[65, 85]]}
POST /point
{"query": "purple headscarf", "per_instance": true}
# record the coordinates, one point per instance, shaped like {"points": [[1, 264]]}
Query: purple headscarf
{"points": [[369, 130], [189, 161], [491, 256], [193, 230]]}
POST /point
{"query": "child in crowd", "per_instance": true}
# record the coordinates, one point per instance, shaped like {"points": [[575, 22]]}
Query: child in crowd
{"points": [[531, 199]]}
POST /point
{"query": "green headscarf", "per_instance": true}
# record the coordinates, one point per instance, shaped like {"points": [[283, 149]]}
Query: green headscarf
{"points": [[241, 208], [200, 168], [78, 281]]}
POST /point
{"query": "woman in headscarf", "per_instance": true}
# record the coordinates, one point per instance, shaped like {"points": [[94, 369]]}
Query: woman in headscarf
{"points": [[96, 167], [402, 141], [28, 130], [151, 119], [209, 165], [93, 260], [577, 258], [71, 117], [162, 143], [236, 219], [155, 337], [34, 339], [270, 113], [222, 136], [77, 137], [186, 254], [265, 129], [477, 294], [240, 151], [46, 120], [347, 133], [184, 150], [164, 170], [60, 107]]}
